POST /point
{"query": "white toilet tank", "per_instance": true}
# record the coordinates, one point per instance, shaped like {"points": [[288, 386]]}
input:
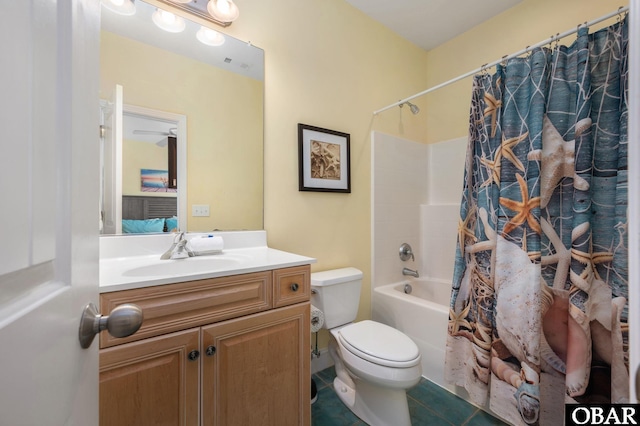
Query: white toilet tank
{"points": [[337, 295]]}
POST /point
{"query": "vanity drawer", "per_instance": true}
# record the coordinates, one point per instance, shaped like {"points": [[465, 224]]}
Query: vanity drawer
{"points": [[173, 307], [291, 285]]}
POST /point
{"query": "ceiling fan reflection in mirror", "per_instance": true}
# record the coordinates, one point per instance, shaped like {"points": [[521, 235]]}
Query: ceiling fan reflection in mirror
{"points": [[172, 132]]}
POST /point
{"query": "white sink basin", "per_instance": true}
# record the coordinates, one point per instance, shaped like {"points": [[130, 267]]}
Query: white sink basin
{"points": [[188, 266], [130, 262]]}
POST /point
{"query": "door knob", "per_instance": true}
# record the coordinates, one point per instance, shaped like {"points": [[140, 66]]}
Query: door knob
{"points": [[123, 321]]}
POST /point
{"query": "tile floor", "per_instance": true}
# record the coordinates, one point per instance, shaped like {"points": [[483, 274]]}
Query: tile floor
{"points": [[429, 404]]}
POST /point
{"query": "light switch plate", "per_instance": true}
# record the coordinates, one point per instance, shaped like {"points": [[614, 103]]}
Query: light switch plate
{"points": [[200, 210]]}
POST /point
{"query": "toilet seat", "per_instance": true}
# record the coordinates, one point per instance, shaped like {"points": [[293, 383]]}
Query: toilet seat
{"points": [[379, 344]]}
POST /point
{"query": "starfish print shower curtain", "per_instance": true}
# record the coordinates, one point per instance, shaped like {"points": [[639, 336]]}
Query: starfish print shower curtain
{"points": [[538, 314]]}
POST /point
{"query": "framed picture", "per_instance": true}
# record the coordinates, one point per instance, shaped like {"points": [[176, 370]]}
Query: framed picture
{"points": [[324, 159], [155, 181]]}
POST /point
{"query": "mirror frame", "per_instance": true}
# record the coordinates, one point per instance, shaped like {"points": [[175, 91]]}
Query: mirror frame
{"points": [[181, 154], [181, 121]]}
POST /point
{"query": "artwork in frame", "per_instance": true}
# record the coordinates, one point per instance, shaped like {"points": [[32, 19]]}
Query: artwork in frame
{"points": [[324, 160], [155, 181]]}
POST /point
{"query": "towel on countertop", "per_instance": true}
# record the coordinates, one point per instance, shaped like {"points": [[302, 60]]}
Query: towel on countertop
{"points": [[206, 244]]}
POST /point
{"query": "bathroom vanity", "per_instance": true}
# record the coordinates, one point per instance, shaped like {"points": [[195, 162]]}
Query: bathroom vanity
{"points": [[222, 346]]}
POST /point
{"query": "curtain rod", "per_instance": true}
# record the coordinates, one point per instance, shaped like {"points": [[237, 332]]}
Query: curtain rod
{"points": [[551, 39]]}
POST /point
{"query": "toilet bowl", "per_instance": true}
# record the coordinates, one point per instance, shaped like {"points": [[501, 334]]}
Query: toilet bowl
{"points": [[375, 364]]}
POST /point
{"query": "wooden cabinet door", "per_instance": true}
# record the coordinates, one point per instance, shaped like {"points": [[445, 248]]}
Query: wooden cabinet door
{"points": [[258, 373], [151, 382]]}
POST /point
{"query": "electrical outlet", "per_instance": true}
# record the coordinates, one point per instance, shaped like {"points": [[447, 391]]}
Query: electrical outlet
{"points": [[200, 210]]}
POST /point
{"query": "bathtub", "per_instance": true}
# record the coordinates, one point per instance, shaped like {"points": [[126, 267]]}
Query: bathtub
{"points": [[422, 315]]}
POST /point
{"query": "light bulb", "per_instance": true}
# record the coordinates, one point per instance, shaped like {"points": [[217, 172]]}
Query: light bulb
{"points": [[168, 21], [210, 37], [167, 17], [122, 7], [223, 10], [223, 6]]}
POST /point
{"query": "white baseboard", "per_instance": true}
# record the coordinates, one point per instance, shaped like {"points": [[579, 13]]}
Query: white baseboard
{"points": [[321, 362]]}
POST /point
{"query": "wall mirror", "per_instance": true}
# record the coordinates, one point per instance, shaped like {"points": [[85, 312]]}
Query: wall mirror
{"points": [[157, 85]]}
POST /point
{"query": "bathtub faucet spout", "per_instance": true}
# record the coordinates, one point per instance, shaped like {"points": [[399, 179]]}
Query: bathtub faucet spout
{"points": [[411, 272]]}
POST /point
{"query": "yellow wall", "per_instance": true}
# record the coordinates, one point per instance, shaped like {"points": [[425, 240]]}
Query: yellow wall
{"points": [[138, 155], [329, 65], [526, 24], [217, 132]]}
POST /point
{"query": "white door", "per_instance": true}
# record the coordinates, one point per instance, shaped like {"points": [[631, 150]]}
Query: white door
{"points": [[112, 114], [48, 213]]}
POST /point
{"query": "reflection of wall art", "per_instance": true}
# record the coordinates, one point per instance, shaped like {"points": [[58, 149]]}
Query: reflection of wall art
{"points": [[324, 160], [155, 181]]}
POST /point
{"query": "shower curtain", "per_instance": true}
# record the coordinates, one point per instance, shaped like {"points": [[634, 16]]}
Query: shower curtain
{"points": [[538, 314]]}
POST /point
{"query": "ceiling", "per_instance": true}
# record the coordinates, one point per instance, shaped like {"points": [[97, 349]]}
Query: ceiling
{"points": [[429, 23]]}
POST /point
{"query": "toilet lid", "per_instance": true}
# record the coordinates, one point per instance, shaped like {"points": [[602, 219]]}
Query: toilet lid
{"points": [[379, 344]]}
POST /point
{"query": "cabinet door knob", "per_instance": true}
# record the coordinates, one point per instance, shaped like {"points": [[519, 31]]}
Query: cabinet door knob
{"points": [[294, 287], [211, 350], [193, 355]]}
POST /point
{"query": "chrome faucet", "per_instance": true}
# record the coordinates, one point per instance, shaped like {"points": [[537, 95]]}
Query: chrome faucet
{"points": [[178, 249], [410, 272]]}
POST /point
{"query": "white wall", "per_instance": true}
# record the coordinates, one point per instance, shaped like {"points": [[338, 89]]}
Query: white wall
{"points": [[439, 216], [399, 185], [416, 192]]}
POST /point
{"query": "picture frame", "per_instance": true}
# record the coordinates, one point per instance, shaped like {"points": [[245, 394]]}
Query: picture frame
{"points": [[152, 180], [324, 159]]}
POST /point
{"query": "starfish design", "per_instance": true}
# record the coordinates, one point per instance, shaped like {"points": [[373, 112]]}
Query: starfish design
{"points": [[504, 150], [459, 320], [558, 159], [491, 108], [590, 260], [464, 231], [523, 208]]}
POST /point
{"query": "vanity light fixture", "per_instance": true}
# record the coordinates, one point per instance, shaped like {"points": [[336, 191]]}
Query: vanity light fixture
{"points": [[123, 7], [168, 21], [210, 37], [223, 10], [219, 12]]}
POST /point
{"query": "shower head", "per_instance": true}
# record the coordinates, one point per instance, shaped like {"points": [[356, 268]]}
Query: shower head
{"points": [[414, 108]]}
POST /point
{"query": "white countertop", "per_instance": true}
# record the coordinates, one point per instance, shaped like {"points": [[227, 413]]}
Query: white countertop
{"points": [[140, 265]]}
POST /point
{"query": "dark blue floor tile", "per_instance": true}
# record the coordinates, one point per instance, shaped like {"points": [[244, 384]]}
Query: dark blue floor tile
{"points": [[328, 410], [451, 407], [327, 375], [483, 419], [420, 415], [429, 404]]}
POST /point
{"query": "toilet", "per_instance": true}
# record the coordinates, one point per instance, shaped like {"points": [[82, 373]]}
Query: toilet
{"points": [[375, 364]]}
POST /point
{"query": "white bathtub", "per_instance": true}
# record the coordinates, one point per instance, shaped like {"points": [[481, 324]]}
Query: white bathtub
{"points": [[422, 315]]}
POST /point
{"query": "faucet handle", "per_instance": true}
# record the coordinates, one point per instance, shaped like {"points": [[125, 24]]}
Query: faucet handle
{"points": [[406, 252]]}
